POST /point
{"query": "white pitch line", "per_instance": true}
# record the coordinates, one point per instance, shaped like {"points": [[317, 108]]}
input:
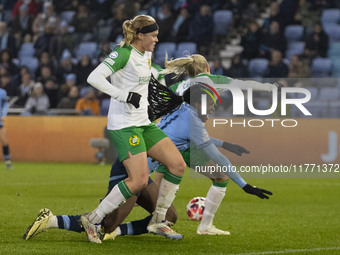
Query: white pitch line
{"points": [[288, 251]]}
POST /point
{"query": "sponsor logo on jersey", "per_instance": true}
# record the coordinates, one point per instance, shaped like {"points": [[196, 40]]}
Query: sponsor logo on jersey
{"points": [[144, 80], [149, 63], [113, 54], [109, 61], [134, 140]]}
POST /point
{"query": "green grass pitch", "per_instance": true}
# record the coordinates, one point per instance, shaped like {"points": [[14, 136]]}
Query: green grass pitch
{"points": [[302, 217]]}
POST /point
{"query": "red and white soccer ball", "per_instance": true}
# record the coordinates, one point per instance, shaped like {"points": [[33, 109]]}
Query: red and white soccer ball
{"points": [[195, 208]]}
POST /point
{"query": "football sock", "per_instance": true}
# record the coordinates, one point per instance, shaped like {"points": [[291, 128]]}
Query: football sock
{"points": [[167, 193], [117, 196], [5, 151], [137, 227], [68, 222], [212, 203], [53, 222]]}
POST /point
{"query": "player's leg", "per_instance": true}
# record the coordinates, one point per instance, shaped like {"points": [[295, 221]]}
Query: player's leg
{"points": [[132, 152], [212, 203], [147, 199], [167, 154], [5, 146], [213, 200]]}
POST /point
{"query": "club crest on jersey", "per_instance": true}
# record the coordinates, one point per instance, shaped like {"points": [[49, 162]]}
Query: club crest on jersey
{"points": [[149, 63], [205, 135], [134, 140], [113, 54]]}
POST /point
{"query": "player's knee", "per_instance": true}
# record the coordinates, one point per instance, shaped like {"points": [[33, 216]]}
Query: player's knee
{"points": [[178, 167], [139, 181], [143, 182]]}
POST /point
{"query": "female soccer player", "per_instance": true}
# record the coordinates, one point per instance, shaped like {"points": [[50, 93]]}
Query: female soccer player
{"points": [[135, 137]]}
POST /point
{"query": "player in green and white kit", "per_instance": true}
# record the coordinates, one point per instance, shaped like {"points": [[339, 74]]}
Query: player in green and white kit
{"points": [[135, 137]]}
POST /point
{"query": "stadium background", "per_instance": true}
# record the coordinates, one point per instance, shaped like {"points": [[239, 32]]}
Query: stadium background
{"points": [[301, 217], [231, 41]]}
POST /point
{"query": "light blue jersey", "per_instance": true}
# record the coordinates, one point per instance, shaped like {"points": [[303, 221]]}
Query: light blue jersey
{"points": [[175, 126], [3, 105], [186, 130]]}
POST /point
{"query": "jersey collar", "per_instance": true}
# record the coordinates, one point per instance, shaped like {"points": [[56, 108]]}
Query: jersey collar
{"points": [[140, 53]]}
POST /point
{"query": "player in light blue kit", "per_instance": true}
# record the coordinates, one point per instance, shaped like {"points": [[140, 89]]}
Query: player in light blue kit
{"points": [[3, 134]]}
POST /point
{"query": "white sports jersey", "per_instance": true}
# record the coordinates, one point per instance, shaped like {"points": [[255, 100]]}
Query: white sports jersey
{"points": [[131, 72]]}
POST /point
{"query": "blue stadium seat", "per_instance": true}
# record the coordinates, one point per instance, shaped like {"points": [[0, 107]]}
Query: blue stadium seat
{"points": [[26, 50], [330, 16], [294, 33], [84, 90], [334, 108], [89, 48], [257, 67], [185, 49], [334, 50], [333, 32], [160, 51], [317, 108], [336, 66], [321, 67], [67, 16], [104, 106], [222, 19], [295, 48], [327, 93]]}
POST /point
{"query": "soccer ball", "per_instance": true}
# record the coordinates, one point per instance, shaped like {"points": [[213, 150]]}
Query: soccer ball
{"points": [[195, 208]]}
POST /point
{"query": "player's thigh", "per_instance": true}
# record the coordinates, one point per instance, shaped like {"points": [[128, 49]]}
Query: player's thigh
{"points": [[131, 150], [137, 166], [167, 154]]}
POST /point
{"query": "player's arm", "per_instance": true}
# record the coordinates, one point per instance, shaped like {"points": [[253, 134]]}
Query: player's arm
{"points": [[97, 79], [213, 153], [234, 148], [254, 85]]}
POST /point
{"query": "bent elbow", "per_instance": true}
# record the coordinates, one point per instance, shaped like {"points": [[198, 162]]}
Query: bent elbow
{"points": [[91, 79]]}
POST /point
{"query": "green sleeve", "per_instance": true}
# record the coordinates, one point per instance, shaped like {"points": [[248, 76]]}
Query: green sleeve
{"points": [[118, 58], [174, 87]]}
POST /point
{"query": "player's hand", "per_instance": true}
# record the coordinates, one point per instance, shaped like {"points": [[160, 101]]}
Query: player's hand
{"points": [[134, 98], [261, 193], [234, 148]]}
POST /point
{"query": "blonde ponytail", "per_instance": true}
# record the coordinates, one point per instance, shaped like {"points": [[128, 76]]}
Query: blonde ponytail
{"points": [[131, 26], [192, 65], [129, 32]]}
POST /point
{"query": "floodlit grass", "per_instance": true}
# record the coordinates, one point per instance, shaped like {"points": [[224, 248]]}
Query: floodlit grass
{"points": [[302, 217]]}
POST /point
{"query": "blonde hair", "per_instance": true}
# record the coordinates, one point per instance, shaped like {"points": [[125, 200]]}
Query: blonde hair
{"points": [[130, 27], [192, 65]]}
